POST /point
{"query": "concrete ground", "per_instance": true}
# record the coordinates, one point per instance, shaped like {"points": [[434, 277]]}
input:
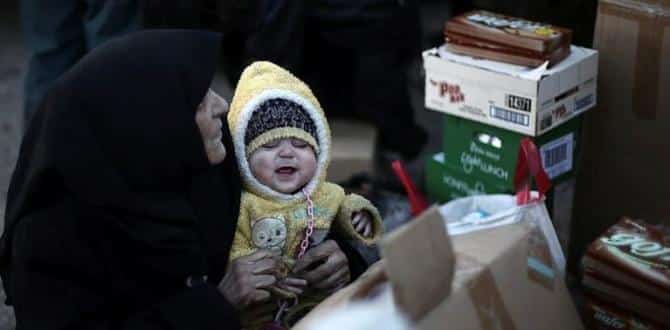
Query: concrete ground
{"points": [[13, 61]]}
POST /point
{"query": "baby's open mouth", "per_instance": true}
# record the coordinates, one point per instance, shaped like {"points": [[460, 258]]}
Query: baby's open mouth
{"points": [[286, 170]]}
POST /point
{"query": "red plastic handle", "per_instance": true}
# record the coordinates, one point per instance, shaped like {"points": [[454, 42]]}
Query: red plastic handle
{"points": [[529, 166], [416, 201]]}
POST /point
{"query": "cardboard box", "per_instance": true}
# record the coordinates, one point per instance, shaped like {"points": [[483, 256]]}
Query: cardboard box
{"points": [[525, 100], [625, 155], [490, 153], [445, 182], [479, 280], [507, 39], [352, 149], [497, 287]]}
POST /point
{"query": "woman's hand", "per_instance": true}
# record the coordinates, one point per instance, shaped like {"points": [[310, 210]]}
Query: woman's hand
{"points": [[325, 267], [248, 278], [208, 117], [292, 285]]}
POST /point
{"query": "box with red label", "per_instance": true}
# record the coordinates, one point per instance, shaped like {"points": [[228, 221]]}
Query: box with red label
{"points": [[530, 101]]}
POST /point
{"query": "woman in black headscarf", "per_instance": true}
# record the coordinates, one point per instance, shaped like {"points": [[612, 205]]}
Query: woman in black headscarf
{"points": [[123, 205], [115, 218]]}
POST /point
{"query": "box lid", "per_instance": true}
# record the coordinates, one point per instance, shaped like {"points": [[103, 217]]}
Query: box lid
{"points": [[534, 74]]}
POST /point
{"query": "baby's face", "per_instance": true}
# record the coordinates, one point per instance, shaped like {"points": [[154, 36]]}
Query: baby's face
{"points": [[284, 165]]}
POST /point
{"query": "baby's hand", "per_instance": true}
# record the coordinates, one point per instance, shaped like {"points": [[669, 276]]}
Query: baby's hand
{"points": [[362, 222]]}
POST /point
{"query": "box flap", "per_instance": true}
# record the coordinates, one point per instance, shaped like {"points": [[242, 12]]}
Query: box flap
{"points": [[419, 263], [489, 65], [439, 66], [578, 68], [576, 54]]}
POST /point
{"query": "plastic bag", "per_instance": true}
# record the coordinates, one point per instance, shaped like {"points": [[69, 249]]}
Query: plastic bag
{"points": [[483, 212]]}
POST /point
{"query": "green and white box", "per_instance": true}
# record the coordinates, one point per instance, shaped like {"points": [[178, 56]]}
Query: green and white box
{"points": [[530, 101], [445, 182], [490, 153]]}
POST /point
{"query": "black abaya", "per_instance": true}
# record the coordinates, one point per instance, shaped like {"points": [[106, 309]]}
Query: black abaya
{"points": [[113, 204]]}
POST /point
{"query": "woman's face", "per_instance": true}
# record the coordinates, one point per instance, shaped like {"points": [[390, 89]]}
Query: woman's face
{"points": [[208, 117]]}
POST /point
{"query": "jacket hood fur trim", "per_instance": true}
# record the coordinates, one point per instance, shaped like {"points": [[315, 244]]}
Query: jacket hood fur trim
{"points": [[263, 81]]}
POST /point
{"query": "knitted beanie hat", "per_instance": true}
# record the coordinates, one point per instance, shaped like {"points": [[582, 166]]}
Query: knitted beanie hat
{"points": [[271, 103], [276, 119]]}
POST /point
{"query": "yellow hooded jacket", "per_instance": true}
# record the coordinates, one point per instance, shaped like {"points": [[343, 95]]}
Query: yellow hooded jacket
{"points": [[273, 220]]}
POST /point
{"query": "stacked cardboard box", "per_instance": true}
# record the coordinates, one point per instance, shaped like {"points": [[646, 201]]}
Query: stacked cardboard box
{"points": [[625, 167], [507, 39], [529, 101], [628, 267], [490, 107]]}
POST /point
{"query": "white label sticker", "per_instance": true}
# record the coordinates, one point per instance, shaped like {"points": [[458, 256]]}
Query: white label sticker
{"points": [[510, 116], [557, 156]]}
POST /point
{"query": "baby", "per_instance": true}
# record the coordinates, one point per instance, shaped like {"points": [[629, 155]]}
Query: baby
{"points": [[282, 144]]}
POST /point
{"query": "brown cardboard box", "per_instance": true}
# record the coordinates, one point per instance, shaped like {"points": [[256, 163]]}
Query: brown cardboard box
{"points": [[352, 149], [625, 156], [495, 287], [492, 287], [485, 34]]}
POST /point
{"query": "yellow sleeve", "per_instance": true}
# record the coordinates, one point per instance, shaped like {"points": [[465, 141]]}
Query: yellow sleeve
{"points": [[242, 242], [356, 203]]}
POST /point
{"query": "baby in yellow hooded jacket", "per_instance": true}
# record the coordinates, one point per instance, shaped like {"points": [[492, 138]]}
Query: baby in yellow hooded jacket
{"points": [[282, 144]]}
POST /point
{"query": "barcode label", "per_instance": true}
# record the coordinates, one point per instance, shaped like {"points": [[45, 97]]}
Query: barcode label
{"points": [[557, 156], [510, 116]]}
